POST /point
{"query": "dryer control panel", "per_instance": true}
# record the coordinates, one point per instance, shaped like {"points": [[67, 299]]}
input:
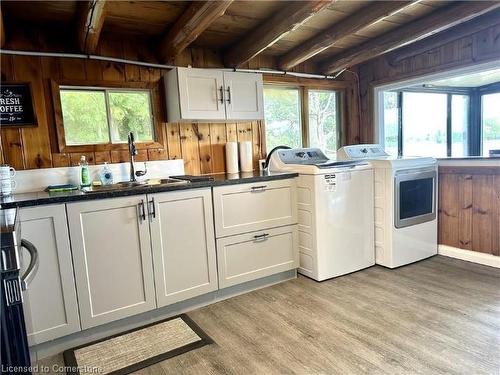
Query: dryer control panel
{"points": [[365, 151]]}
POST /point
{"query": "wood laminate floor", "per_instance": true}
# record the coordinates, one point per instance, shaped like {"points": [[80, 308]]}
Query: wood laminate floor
{"points": [[438, 316]]}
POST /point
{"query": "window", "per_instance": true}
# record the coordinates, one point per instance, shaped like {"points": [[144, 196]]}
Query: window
{"points": [[285, 124], [459, 125], [391, 122], [490, 122], [282, 113], [426, 123], [105, 116], [323, 120]]}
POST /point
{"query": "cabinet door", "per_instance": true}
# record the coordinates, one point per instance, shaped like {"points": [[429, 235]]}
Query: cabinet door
{"points": [[254, 255], [183, 243], [112, 258], [200, 94], [250, 207], [50, 304], [244, 96]]}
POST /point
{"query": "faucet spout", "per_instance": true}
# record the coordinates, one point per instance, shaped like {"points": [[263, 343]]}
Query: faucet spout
{"points": [[132, 151]]}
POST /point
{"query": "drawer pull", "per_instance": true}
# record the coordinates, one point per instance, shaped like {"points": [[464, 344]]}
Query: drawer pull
{"points": [[262, 236], [258, 188]]}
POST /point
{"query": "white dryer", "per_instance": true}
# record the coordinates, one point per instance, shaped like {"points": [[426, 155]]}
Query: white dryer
{"points": [[405, 204], [335, 211]]}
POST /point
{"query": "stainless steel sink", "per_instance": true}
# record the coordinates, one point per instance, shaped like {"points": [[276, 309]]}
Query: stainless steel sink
{"points": [[125, 185]]}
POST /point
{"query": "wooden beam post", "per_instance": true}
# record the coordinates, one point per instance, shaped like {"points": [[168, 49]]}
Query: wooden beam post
{"points": [[273, 29], [2, 30], [327, 38], [90, 25], [490, 19], [196, 19], [421, 28]]}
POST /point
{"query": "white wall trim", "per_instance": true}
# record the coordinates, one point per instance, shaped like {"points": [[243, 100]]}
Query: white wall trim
{"points": [[469, 256]]}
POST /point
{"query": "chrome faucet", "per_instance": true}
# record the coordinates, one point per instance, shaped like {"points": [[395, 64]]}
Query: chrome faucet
{"points": [[132, 151]]}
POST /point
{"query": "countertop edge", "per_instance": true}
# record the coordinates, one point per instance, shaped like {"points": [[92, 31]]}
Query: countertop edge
{"points": [[64, 198]]}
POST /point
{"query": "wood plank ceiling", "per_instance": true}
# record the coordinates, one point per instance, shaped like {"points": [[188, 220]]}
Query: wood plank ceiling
{"points": [[333, 35]]}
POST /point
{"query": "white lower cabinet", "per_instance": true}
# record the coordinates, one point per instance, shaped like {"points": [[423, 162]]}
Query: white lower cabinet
{"points": [[183, 243], [50, 304], [112, 257], [254, 255]]}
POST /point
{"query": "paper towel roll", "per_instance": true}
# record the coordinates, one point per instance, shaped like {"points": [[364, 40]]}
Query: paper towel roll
{"points": [[232, 157], [246, 156]]}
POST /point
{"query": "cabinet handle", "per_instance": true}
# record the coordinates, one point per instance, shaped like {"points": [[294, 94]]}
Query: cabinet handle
{"points": [[153, 208], [142, 211], [228, 94], [258, 188], [221, 89], [262, 236]]}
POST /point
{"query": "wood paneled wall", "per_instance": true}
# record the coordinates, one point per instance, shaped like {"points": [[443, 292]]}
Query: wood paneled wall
{"points": [[201, 145], [480, 47], [469, 208]]}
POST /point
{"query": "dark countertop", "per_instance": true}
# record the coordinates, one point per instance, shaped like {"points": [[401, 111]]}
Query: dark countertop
{"points": [[42, 197]]}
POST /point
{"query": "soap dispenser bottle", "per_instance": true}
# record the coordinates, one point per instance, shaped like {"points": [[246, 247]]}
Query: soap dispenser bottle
{"points": [[106, 175], [84, 172]]}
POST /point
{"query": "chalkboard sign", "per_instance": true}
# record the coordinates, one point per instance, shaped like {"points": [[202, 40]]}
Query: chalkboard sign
{"points": [[16, 105]]}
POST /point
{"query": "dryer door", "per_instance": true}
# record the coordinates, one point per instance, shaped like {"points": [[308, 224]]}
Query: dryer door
{"points": [[415, 197]]}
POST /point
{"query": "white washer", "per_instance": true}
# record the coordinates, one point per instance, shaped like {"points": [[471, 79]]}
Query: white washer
{"points": [[335, 211], [405, 204]]}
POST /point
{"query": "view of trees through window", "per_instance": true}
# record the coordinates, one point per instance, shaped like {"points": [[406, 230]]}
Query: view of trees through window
{"points": [[424, 123], [282, 112], [323, 116], [92, 116], [283, 117], [490, 122]]}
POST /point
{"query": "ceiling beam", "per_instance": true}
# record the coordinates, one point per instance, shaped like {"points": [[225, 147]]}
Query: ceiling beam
{"points": [[273, 29], [490, 19], [329, 37], [90, 25], [412, 32], [196, 19]]}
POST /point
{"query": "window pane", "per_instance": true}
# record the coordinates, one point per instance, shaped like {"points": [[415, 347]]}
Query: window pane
{"points": [[323, 120], [459, 125], [282, 117], [490, 122], [391, 114], [424, 124], [130, 112], [84, 117]]}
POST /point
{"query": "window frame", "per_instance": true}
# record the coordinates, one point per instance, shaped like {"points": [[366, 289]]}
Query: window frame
{"points": [[304, 86], [493, 88], [157, 116], [449, 92]]}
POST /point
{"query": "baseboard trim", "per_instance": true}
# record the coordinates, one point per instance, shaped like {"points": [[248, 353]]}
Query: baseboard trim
{"points": [[469, 256]]}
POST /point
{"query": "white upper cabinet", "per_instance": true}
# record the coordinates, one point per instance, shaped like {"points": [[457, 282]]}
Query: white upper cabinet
{"points": [[50, 308], [209, 94], [112, 257], [243, 95]]}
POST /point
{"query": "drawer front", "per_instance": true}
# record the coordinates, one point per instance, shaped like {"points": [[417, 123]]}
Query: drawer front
{"points": [[251, 207], [258, 254]]}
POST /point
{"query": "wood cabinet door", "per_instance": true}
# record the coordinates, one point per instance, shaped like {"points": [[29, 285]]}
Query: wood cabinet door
{"points": [[201, 94], [112, 257], [244, 208], [250, 256], [244, 96], [50, 304], [183, 243]]}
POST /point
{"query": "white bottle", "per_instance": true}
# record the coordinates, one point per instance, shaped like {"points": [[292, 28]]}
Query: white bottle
{"points": [[106, 175]]}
